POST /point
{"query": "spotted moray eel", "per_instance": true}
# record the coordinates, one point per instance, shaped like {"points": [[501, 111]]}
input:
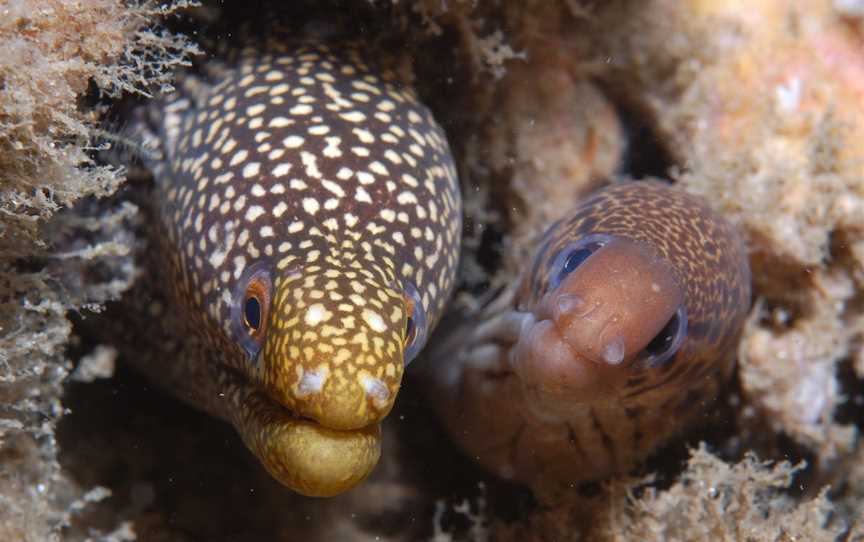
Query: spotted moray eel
{"points": [[618, 334], [309, 223]]}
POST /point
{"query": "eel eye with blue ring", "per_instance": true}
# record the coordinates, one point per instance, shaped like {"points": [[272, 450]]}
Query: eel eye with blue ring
{"points": [[573, 255], [666, 344], [251, 307], [252, 312], [415, 324]]}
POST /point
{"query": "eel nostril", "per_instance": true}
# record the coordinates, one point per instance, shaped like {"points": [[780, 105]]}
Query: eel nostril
{"points": [[376, 390], [311, 382], [570, 305], [614, 350]]}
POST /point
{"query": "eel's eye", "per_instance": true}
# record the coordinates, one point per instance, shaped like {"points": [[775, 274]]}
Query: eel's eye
{"points": [[252, 313], [250, 309], [410, 328], [573, 255], [663, 347], [415, 324]]}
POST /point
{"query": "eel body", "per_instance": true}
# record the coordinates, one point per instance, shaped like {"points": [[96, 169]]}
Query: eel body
{"points": [[309, 222], [618, 334]]}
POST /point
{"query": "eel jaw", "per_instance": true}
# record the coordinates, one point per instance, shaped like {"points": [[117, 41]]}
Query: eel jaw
{"points": [[305, 456]]}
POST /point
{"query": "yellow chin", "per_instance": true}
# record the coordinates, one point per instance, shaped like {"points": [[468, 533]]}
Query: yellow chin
{"points": [[305, 456]]}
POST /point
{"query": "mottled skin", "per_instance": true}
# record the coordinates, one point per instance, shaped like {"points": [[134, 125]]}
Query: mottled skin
{"points": [[309, 223], [562, 382]]}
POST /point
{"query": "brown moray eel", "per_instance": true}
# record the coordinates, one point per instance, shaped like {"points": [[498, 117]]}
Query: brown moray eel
{"points": [[619, 333], [309, 229]]}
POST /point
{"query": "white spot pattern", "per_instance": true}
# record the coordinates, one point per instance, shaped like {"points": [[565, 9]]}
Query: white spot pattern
{"points": [[328, 170]]}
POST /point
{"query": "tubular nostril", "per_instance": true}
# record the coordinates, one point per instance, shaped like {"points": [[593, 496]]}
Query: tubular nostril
{"points": [[311, 382], [360, 401], [569, 305], [376, 390], [614, 351]]}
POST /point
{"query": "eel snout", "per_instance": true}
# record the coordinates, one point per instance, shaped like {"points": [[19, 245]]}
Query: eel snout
{"points": [[597, 320], [333, 355]]}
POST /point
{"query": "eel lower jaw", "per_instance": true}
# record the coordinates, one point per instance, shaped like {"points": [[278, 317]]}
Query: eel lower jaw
{"points": [[302, 454], [551, 365]]}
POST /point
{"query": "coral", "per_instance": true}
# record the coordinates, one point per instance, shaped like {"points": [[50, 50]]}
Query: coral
{"points": [[50, 52], [540, 134], [711, 500], [554, 138]]}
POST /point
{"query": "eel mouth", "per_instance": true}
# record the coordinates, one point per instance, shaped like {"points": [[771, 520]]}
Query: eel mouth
{"points": [[300, 453], [548, 363]]}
